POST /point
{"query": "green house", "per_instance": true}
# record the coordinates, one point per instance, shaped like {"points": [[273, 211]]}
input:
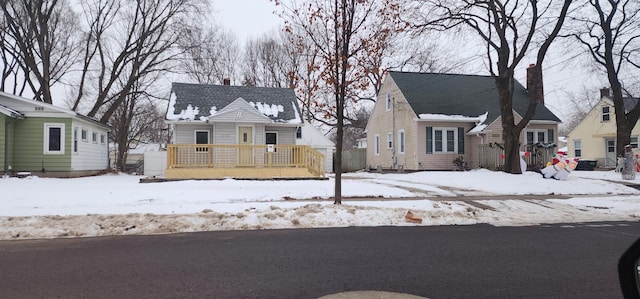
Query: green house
{"points": [[45, 140]]}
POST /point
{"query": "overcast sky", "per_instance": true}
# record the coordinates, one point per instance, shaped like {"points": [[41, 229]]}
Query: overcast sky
{"points": [[246, 18]]}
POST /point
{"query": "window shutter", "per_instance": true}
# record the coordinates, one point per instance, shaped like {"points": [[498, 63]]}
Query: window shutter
{"points": [[429, 140], [460, 140], [551, 137]]}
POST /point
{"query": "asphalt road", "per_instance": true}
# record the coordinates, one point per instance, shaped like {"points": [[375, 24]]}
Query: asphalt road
{"points": [[480, 261]]}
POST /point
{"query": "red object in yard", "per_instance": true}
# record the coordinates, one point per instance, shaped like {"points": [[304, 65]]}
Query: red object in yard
{"points": [[502, 156]]}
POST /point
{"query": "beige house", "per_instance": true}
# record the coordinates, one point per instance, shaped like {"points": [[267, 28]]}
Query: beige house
{"points": [[594, 138], [423, 121]]}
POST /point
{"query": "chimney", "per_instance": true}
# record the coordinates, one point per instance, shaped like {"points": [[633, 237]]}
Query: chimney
{"points": [[226, 81], [605, 92], [531, 74]]}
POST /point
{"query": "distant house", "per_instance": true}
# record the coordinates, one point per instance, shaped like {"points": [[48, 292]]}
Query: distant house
{"points": [[423, 121], [237, 131], [46, 140], [594, 138], [309, 135], [135, 155]]}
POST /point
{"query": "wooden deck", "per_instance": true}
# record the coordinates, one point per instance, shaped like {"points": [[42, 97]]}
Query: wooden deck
{"points": [[207, 161]]}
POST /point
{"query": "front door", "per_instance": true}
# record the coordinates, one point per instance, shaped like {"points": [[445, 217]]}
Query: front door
{"points": [[610, 150], [245, 140]]}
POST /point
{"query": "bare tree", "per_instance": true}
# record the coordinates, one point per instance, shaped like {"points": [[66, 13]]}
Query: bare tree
{"points": [[341, 31], [39, 36], [578, 105], [510, 31], [608, 31], [210, 55], [134, 121], [126, 42], [271, 61]]}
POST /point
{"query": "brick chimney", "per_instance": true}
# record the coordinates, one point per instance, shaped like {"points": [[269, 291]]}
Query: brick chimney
{"points": [[226, 81], [605, 92], [531, 73]]}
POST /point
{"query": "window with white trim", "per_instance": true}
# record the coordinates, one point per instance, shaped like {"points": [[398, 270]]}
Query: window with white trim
{"points": [[606, 113], [54, 139], [536, 136], [634, 142], [445, 140], [103, 138], [84, 135], [389, 140], [577, 148], [401, 141], [377, 144], [201, 137], [94, 137], [389, 101]]}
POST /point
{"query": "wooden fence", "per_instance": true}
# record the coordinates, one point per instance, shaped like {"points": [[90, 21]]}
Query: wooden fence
{"points": [[354, 159], [490, 156]]}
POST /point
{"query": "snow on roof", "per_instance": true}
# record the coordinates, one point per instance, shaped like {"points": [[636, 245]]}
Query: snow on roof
{"points": [[268, 110], [460, 118]]}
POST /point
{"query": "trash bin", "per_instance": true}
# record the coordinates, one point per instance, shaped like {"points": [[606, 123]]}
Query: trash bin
{"points": [[588, 165]]}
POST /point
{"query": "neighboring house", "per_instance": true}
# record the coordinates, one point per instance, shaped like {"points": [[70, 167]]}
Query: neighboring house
{"points": [[237, 131], [46, 140], [135, 155], [594, 138], [423, 121], [309, 135]]}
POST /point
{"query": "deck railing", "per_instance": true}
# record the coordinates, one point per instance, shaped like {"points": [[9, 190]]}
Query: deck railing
{"points": [[235, 156]]}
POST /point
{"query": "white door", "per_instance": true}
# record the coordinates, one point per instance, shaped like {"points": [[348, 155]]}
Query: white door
{"points": [[610, 150]]}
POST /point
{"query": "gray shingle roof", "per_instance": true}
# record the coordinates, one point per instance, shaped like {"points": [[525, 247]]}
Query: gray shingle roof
{"points": [[204, 96], [467, 95]]}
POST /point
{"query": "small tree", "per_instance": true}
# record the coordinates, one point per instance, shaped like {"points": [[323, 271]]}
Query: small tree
{"points": [[342, 32]]}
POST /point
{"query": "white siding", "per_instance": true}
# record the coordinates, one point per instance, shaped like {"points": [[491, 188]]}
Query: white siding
{"points": [[225, 133], [286, 135], [90, 155]]}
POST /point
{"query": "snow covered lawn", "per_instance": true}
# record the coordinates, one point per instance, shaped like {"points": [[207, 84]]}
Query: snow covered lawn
{"points": [[118, 204]]}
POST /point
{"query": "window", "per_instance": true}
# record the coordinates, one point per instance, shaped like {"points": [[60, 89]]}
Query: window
{"points": [[634, 142], [537, 136], [377, 144], [577, 148], [54, 139], [389, 101], [202, 137], [445, 140], [83, 135], [75, 139], [94, 137], [102, 138], [298, 132], [401, 141], [389, 140], [271, 138], [611, 146], [606, 113]]}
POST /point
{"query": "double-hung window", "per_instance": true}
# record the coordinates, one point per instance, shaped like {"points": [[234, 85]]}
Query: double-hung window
{"points": [[577, 148], [389, 140], [606, 113], [445, 140], [389, 102]]}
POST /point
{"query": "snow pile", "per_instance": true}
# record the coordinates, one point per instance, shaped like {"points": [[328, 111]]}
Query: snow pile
{"points": [[268, 110], [118, 204]]}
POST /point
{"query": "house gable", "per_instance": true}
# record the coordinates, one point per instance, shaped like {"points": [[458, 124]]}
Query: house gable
{"points": [[239, 111]]}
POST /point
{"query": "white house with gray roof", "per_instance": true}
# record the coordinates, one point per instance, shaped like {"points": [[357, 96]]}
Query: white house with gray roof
{"points": [[237, 131]]}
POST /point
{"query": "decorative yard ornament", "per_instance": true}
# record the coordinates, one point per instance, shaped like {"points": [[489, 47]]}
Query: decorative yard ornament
{"points": [[560, 167], [628, 170]]}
